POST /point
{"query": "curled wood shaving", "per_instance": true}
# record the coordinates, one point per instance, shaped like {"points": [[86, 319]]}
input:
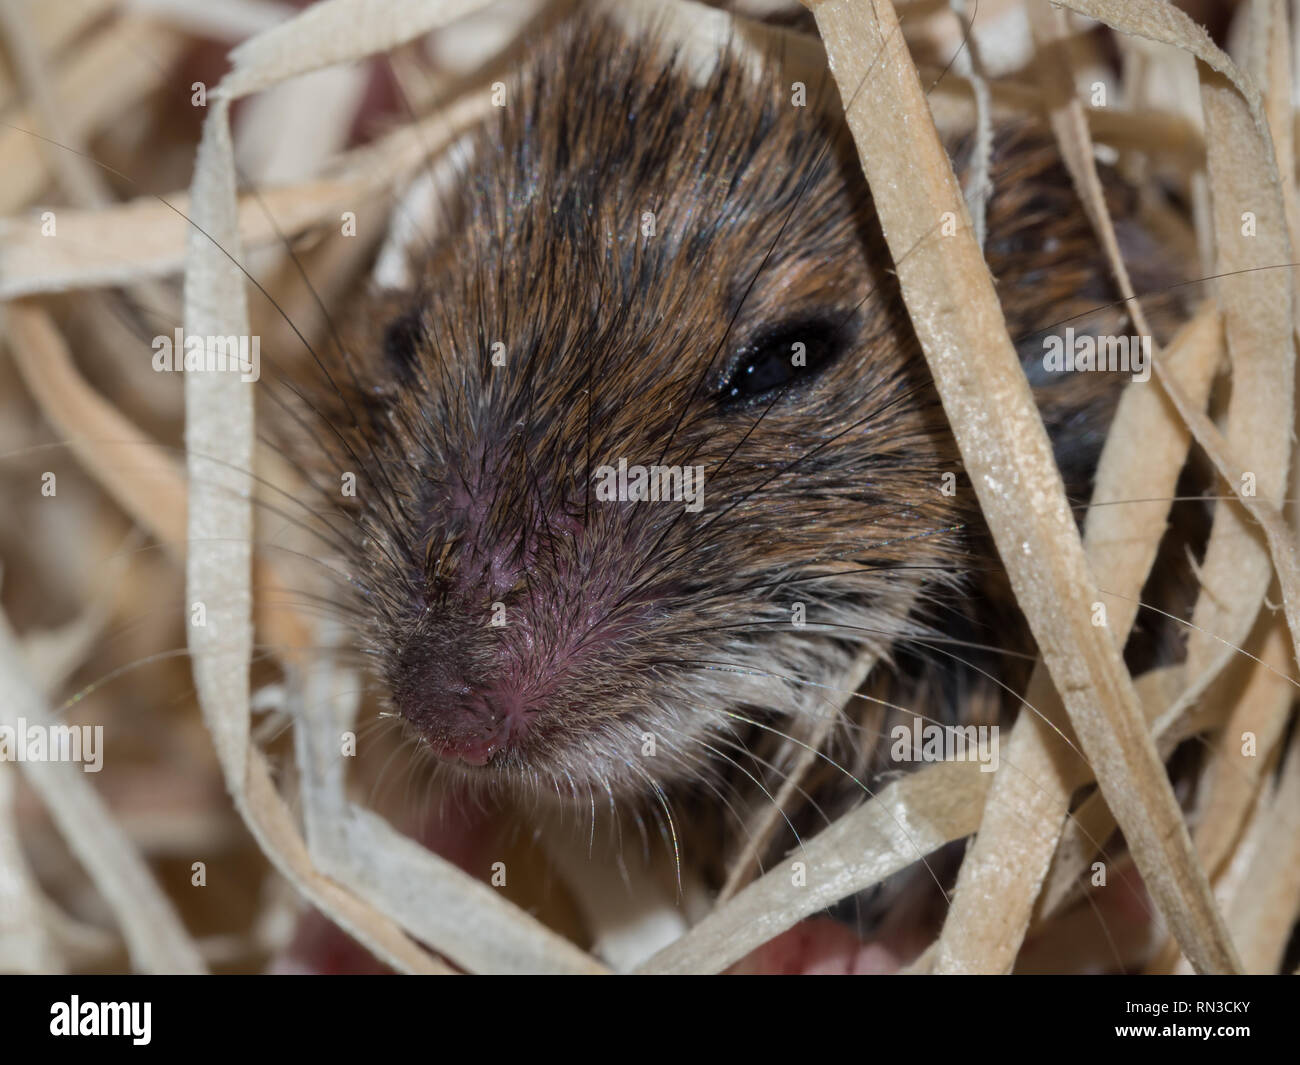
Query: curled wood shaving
{"points": [[1230, 793], [1261, 884], [157, 940], [1263, 909], [1262, 705], [1027, 810], [1258, 317], [1089, 826], [338, 31], [697, 32], [1280, 539], [146, 484], [272, 824], [227, 20], [105, 78], [219, 421], [950, 297], [979, 184], [75, 171], [290, 132], [1257, 696], [53, 26], [1008, 860], [26, 945], [1159, 135], [1075, 142], [146, 237], [907, 820]]}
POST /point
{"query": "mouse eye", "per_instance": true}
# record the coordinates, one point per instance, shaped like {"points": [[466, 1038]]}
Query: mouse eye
{"points": [[401, 341], [782, 358]]}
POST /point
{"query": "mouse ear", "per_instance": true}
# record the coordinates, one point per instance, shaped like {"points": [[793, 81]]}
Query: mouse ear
{"points": [[401, 343]]}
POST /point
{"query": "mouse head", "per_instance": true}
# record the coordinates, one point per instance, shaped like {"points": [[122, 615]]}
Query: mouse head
{"points": [[647, 450]]}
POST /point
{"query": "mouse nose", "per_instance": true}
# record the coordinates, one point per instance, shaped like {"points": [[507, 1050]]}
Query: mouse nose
{"points": [[456, 721], [459, 719]]}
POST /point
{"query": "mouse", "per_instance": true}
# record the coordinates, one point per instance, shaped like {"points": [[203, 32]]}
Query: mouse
{"points": [[647, 453]]}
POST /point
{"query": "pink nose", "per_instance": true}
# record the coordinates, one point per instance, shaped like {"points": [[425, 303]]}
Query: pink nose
{"points": [[459, 723]]}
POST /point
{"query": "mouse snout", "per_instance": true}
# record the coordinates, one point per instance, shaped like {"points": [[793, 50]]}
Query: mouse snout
{"points": [[510, 650], [460, 719]]}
